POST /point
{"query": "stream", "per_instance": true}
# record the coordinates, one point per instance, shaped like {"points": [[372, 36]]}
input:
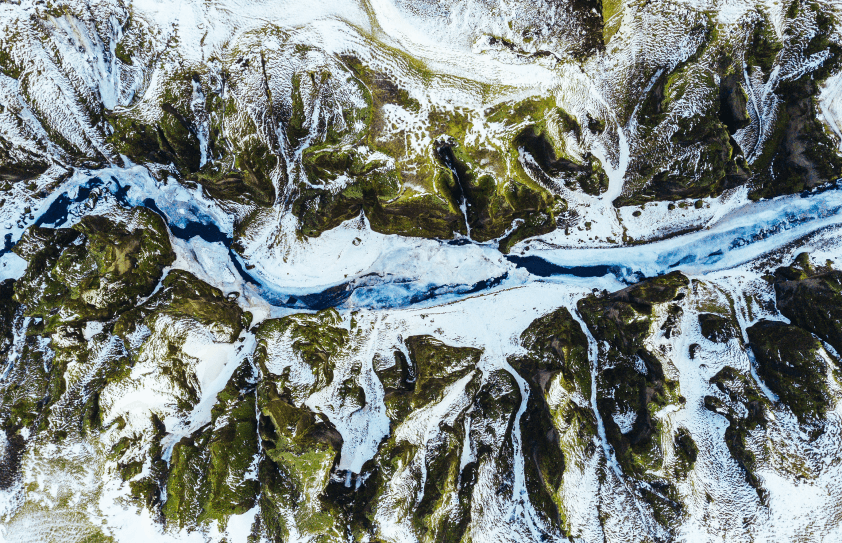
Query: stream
{"points": [[744, 234]]}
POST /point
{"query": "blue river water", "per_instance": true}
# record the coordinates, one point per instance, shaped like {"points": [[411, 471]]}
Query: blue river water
{"points": [[735, 239]]}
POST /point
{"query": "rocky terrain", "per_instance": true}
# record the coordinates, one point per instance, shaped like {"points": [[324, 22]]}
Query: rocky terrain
{"points": [[417, 270]]}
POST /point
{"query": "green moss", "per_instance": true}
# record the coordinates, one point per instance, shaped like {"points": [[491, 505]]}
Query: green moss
{"points": [[96, 536], [301, 448], [531, 109], [680, 179], [245, 172], [632, 379], [36, 381], [136, 140], [662, 170], [184, 481], [14, 167], [296, 129], [800, 154], [556, 344], [170, 140], [209, 476], [183, 295], [492, 207], [811, 299], [327, 164], [94, 270], [8, 66], [553, 161], [612, 11], [441, 510], [8, 308], [122, 53], [317, 339], [764, 45], [436, 366], [623, 318], [381, 89], [789, 362], [239, 164], [147, 491], [396, 374], [387, 197], [42, 247], [686, 453], [717, 328], [544, 461]]}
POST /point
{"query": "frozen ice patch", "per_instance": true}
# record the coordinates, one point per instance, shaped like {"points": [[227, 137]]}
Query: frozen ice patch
{"points": [[625, 420], [11, 266]]}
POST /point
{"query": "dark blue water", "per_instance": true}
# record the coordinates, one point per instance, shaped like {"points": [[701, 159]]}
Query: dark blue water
{"points": [[121, 192], [374, 289], [60, 207], [542, 268], [212, 234], [7, 244], [207, 231], [371, 290], [330, 297], [57, 211]]}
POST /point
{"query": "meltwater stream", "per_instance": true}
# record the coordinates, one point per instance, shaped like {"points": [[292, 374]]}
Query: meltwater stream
{"points": [[742, 235]]}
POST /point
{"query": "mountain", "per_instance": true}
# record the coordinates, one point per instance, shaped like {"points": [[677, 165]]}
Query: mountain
{"points": [[417, 270]]}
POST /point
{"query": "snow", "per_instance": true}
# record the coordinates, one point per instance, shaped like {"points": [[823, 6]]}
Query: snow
{"points": [[91, 329], [216, 363], [742, 234], [362, 429], [830, 105], [354, 250], [11, 266], [625, 420]]}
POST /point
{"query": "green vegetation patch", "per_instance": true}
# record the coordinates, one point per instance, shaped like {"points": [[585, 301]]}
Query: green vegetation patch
{"points": [[172, 140], [633, 380], [812, 299], [800, 153], [421, 378], [763, 45], [301, 449], [182, 294], [8, 310], [557, 350], [213, 474], [788, 361], [94, 270], [556, 344], [441, 510], [422, 197], [686, 453], [700, 158], [317, 338], [717, 328]]}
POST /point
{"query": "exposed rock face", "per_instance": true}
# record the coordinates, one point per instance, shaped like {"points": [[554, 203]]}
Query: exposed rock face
{"points": [[812, 299], [716, 327], [631, 384], [789, 362]]}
